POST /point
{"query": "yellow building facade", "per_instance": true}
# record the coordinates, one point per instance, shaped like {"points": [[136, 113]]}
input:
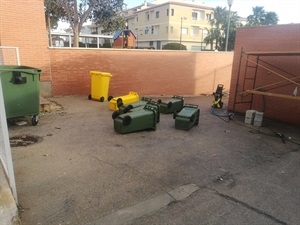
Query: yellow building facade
{"points": [[158, 23]]}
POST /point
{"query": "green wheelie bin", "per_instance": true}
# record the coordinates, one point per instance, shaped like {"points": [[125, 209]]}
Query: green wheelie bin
{"points": [[21, 91], [174, 104], [145, 119], [131, 107], [187, 117]]}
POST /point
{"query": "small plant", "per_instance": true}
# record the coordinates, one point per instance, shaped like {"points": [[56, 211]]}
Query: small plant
{"points": [[174, 46]]}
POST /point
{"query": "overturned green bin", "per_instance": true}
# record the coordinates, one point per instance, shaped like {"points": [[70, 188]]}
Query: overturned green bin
{"points": [[136, 105], [174, 104], [145, 119], [21, 91], [187, 117]]}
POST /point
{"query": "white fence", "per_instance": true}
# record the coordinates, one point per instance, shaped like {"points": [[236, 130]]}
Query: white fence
{"points": [[59, 39], [5, 150], [9, 55]]}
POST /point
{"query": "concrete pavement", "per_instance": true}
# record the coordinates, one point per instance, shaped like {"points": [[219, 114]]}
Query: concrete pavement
{"points": [[82, 171]]}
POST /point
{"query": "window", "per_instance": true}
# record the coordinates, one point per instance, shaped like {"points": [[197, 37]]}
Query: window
{"points": [[198, 15], [157, 14], [147, 16], [151, 43], [172, 12], [208, 16], [137, 19], [194, 15], [167, 12], [171, 30], [147, 30], [152, 29]]}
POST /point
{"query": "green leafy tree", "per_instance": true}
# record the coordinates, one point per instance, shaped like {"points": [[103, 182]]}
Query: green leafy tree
{"points": [[109, 17], [77, 12], [260, 17], [53, 13], [271, 18]]}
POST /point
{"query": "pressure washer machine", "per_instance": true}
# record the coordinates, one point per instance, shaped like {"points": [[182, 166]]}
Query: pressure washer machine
{"points": [[217, 101]]}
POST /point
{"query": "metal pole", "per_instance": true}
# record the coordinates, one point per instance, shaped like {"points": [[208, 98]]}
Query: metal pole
{"points": [[228, 25], [180, 34]]}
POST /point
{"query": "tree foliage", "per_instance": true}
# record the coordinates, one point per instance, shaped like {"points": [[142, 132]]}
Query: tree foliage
{"points": [[261, 17], [217, 33], [174, 46], [53, 13], [77, 12]]}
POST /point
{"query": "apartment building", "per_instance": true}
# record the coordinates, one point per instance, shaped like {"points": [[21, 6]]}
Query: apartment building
{"points": [[160, 22]]}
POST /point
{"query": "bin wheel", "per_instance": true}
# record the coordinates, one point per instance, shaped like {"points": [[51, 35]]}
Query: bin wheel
{"points": [[170, 105], [119, 100], [159, 101], [35, 120], [102, 99], [126, 120], [110, 98], [119, 104], [130, 107], [126, 109], [115, 115], [174, 115], [89, 97]]}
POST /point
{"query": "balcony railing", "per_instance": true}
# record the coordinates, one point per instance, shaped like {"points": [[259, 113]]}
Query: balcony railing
{"points": [[66, 39]]}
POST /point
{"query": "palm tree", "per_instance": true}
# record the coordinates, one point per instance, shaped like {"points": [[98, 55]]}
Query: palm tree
{"points": [[216, 35], [261, 17], [257, 17], [271, 18], [217, 25]]}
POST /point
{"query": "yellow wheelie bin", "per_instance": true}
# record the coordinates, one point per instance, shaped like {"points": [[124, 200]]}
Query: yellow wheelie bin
{"points": [[99, 85]]}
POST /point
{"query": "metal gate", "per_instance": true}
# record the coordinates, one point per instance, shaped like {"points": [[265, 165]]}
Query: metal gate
{"points": [[5, 150]]}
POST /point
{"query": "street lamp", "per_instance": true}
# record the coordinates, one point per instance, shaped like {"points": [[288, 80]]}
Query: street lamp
{"points": [[230, 2], [182, 18]]}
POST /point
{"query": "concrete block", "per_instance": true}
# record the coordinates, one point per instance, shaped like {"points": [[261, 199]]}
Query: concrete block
{"points": [[258, 119], [249, 117], [250, 113]]}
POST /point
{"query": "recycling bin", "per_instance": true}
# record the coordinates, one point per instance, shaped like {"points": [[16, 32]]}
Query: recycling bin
{"points": [[145, 119], [99, 85], [187, 117], [116, 102], [172, 105], [21, 91]]}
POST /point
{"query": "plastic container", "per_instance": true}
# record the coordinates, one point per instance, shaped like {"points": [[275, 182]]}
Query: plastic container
{"points": [[116, 102], [21, 91], [135, 105], [187, 117], [145, 119], [174, 104], [99, 85]]}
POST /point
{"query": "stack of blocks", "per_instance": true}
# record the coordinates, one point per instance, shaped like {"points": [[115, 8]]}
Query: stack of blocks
{"points": [[254, 118]]}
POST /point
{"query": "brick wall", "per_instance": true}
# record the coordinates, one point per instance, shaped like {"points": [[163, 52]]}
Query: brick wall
{"points": [[22, 25], [147, 72], [268, 38]]}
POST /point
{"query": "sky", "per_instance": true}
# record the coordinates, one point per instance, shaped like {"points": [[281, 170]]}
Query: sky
{"points": [[288, 11]]}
